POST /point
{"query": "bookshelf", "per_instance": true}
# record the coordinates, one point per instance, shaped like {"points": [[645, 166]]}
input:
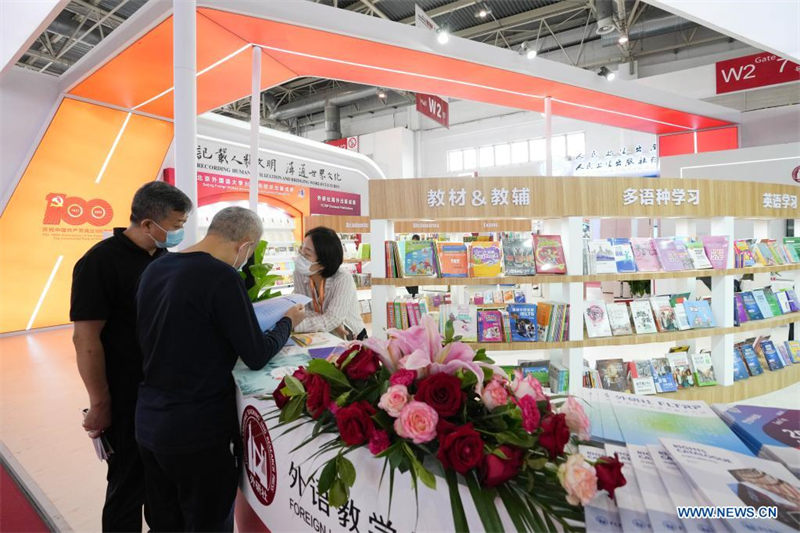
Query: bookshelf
{"points": [[562, 204]]}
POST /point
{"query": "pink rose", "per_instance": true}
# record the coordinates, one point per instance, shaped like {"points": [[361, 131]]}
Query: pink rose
{"points": [[530, 414], [579, 480], [394, 399], [378, 441], [494, 395], [403, 377], [417, 421], [527, 386], [577, 421]]}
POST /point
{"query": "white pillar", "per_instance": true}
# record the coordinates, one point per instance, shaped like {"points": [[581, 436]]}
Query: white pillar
{"points": [[255, 124], [184, 46], [722, 307], [380, 232], [548, 132], [572, 358]]}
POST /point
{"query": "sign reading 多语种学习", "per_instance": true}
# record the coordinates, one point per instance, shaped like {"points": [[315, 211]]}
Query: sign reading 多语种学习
{"points": [[657, 196]]}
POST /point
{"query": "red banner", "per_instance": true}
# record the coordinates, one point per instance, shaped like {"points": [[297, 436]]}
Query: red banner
{"points": [[347, 143], [758, 70], [324, 202], [434, 108]]}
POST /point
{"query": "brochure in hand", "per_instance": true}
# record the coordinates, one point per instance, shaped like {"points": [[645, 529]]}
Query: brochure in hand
{"points": [[268, 312]]}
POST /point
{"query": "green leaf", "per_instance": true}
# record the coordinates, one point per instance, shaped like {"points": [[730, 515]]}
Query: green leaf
{"points": [[424, 474], [323, 368], [339, 494], [293, 409], [327, 476], [499, 453], [459, 517], [347, 472], [484, 504], [514, 508], [516, 439], [487, 374], [538, 463], [342, 399], [449, 331], [293, 386], [258, 253], [468, 379]]}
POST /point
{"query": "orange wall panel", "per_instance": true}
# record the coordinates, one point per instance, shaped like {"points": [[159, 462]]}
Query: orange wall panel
{"points": [[35, 229]]}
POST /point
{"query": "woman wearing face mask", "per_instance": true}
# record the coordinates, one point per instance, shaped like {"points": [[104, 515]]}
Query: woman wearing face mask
{"points": [[334, 303]]}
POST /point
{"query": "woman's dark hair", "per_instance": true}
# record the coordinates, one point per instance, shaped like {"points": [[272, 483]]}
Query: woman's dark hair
{"points": [[329, 249]]}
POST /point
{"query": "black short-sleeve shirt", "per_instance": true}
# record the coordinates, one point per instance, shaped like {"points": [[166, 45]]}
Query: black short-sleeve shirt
{"points": [[104, 285]]}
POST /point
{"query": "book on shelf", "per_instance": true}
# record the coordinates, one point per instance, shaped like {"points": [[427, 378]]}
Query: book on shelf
{"points": [[699, 314], [419, 259], [716, 247], [613, 374], [792, 246], [660, 509], [783, 302], [784, 353], [664, 313], [739, 313], [673, 255], [601, 257], [641, 377], [485, 259], [556, 327], [549, 254], [766, 348], [703, 369], [751, 358], [623, 254], [762, 303], [743, 255], [772, 300], [619, 318], [518, 256], [539, 369], [642, 314], [681, 367], [453, 261], [697, 254], [794, 304], [490, 326], [681, 318], [506, 325], [794, 350], [778, 252], [740, 371], [597, 324], [644, 253], [522, 318], [519, 297], [662, 375], [464, 319], [559, 378], [751, 307], [762, 254]]}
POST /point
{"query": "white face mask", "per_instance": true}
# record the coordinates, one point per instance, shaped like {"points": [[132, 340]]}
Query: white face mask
{"points": [[302, 265], [246, 253]]}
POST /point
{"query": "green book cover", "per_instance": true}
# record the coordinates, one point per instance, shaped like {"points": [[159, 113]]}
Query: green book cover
{"points": [[774, 305]]}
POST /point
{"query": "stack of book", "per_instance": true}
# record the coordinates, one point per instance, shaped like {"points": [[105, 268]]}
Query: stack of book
{"points": [[497, 297], [405, 312], [764, 303], [657, 314], [612, 256], [766, 252], [523, 322]]}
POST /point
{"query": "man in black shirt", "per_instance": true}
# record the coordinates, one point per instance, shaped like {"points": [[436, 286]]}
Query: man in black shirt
{"points": [[109, 361], [195, 319]]}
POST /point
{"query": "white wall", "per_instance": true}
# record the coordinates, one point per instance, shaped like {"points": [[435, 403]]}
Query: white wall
{"points": [[778, 125], [27, 100], [392, 150]]}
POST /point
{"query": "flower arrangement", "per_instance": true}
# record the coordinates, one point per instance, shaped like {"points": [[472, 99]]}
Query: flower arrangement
{"points": [[423, 403]]}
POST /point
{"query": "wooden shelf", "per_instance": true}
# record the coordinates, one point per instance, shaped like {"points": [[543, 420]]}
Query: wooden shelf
{"points": [[767, 382], [557, 278]]}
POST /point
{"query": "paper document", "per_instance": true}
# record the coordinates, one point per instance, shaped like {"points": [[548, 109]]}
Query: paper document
{"points": [[268, 312]]}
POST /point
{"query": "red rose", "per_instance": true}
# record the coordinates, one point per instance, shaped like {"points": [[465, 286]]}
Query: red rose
{"points": [[378, 441], [280, 398], [442, 392], [461, 449], [555, 434], [403, 377], [609, 474], [443, 427], [362, 366], [496, 471], [319, 395], [354, 422], [530, 413]]}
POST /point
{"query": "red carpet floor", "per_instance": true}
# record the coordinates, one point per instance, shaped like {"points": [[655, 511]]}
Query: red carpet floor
{"points": [[17, 515]]}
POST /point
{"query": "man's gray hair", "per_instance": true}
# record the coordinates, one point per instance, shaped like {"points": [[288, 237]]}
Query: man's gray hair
{"points": [[237, 224]]}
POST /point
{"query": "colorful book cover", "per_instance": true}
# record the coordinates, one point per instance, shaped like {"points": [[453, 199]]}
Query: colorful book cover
{"points": [[741, 314], [490, 326], [762, 303], [744, 256], [642, 317], [506, 326], [703, 369], [682, 319], [540, 369], [716, 247], [601, 257], [544, 311], [623, 253], [486, 259], [772, 300], [596, 316], [619, 318], [697, 254], [739, 366], [662, 513], [641, 377], [453, 261], [465, 321], [763, 254], [751, 307], [771, 355], [664, 313], [632, 510], [783, 302], [751, 359], [778, 253], [644, 252], [699, 314], [601, 514], [681, 368], [794, 304], [519, 297], [522, 318], [613, 374], [794, 350], [784, 353], [673, 255], [518, 256], [792, 253], [549, 254], [662, 375], [419, 259]]}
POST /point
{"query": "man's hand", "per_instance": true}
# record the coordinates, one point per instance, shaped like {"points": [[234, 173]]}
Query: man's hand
{"points": [[97, 419], [296, 314]]}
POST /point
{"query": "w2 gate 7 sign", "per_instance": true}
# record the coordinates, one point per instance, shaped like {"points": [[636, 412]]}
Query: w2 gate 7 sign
{"points": [[758, 70]]}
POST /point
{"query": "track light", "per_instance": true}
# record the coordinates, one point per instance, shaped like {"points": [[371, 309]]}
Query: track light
{"points": [[622, 39], [442, 35], [381, 94], [527, 50], [606, 73], [483, 11]]}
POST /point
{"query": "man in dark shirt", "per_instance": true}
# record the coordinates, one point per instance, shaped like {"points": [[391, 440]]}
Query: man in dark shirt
{"points": [[109, 361], [195, 319]]}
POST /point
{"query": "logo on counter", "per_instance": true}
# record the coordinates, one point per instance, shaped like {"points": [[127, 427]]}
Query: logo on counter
{"points": [[795, 172], [259, 456], [76, 211]]}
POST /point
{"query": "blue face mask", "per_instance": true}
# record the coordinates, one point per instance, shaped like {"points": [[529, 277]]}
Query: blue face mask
{"points": [[174, 238]]}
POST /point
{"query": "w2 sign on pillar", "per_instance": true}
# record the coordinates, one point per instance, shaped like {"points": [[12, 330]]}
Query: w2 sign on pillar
{"points": [[434, 108], [757, 70]]}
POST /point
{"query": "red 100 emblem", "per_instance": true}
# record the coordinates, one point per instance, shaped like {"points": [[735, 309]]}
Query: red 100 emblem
{"points": [[76, 211]]}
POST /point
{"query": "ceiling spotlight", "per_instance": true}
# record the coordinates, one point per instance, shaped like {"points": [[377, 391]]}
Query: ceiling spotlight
{"points": [[483, 11], [531, 53], [622, 39], [442, 35], [606, 73], [527, 50], [381, 94]]}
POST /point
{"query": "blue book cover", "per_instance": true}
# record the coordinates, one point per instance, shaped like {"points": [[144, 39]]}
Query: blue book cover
{"points": [[771, 355], [794, 305], [764, 426], [623, 255], [662, 375], [522, 318], [751, 358], [751, 307], [762, 303], [739, 367], [699, 314], [419, 259]]}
